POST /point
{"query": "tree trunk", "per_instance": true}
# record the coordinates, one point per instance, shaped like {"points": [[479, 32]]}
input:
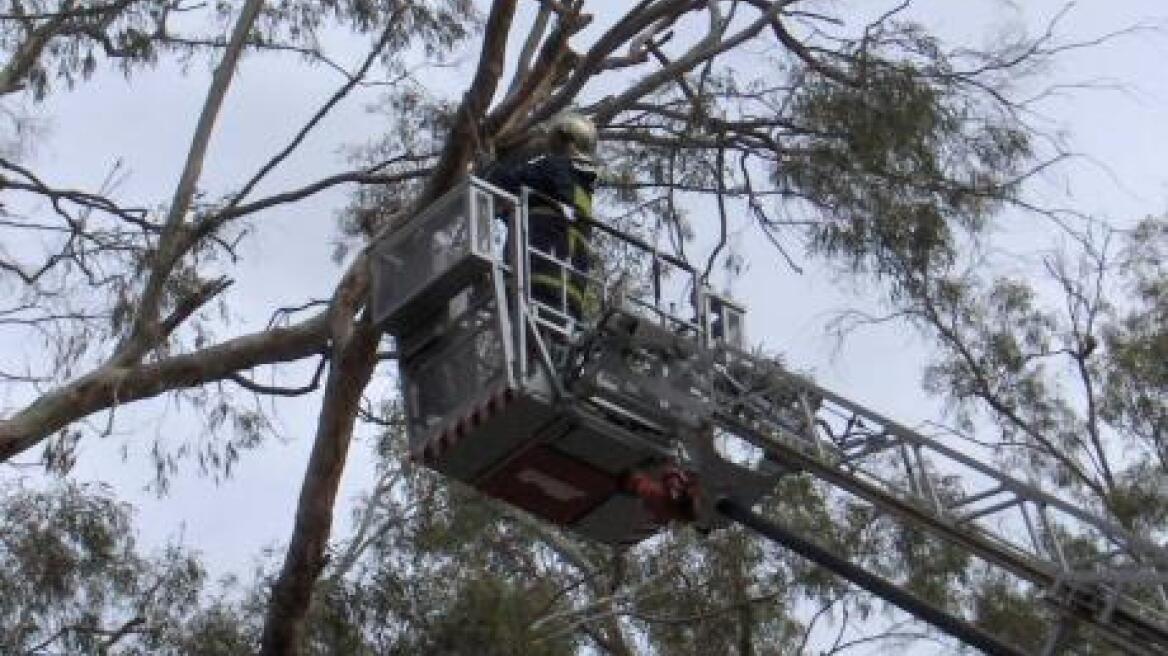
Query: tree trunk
{"points": [[351, 369], [354, 358]]}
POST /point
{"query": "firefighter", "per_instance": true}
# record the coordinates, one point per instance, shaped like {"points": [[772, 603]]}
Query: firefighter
{"points": [[565, 176]]}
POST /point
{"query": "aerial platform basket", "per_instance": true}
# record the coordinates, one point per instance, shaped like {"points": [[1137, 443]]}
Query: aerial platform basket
{"points": [[418, 267], [513, 397], [548, 411]]}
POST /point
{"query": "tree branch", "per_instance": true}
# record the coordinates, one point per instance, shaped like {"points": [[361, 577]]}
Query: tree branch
{"points": [[465, 136], [112, 384], [529, 45], [332, 102], [352, 367], [143, 333], [272, 390], [710, 46]]}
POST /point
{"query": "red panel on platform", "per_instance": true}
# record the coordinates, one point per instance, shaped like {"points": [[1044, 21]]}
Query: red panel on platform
{"points": [[548, 483]]}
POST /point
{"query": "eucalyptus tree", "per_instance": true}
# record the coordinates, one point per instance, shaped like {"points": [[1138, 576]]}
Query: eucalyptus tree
{"points": [[864, 141], [1060, 376], [72, 580]]}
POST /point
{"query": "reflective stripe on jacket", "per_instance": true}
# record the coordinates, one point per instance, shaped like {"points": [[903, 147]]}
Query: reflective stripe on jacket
{"points": [[555, 177]]}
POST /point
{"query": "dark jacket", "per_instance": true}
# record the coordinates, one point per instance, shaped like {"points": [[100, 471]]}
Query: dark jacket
{"points": [[552, 175], [557, 177]]}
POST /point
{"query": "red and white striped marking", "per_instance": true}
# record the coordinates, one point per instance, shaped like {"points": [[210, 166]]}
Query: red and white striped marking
{"points": [[460, 427]]}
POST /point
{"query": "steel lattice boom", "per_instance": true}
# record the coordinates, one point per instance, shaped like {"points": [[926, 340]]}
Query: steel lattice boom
{"points": [[1004, 521]]}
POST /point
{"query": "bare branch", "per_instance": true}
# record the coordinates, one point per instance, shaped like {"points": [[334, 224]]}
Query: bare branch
{"points": [[332, 102], [799, 50], [529, 45], [465, 137], [216, 220], [143, 334], [273, 390], [723, 219], [710, 46], [188, 305], [641, 17]]}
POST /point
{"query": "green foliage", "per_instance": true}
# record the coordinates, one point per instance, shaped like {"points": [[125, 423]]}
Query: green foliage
{"points": [[1136, 394], [49, 42], [435, 25], [896, 164], [218, 629], [885, 168], [1009, 613], [489, 616], [72, 582], [1072, 376], [1078, 382]]}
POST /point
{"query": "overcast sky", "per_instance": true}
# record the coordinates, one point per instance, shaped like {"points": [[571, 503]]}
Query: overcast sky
{"points": [[147, 123]]}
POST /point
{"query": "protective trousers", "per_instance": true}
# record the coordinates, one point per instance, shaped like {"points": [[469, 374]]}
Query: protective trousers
{"points": [[560, 261]]}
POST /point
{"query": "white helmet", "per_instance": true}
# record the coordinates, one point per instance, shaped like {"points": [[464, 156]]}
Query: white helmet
{"points": [[574, 135]]}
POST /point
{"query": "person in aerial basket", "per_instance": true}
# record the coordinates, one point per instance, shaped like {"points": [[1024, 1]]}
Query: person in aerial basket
{"points": [[563, 179]]}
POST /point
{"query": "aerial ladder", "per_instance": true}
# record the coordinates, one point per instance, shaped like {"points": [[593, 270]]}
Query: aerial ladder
{"points": [[550, 413]]}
